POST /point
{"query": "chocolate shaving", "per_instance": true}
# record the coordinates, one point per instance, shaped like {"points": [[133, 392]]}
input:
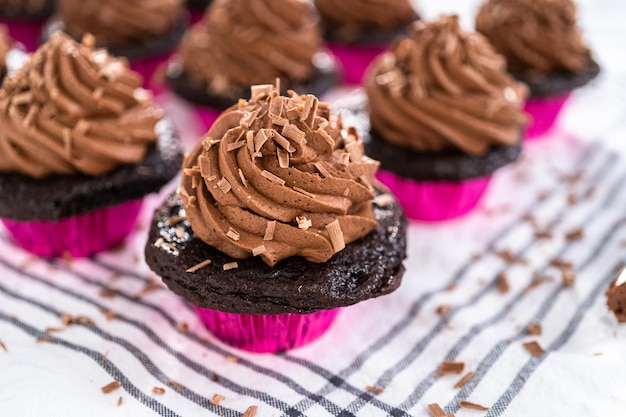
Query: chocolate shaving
{"points": [[251, 411], [259, 250], [292, 132], [336, 235], [232, 359], [120, 401], [53, 329], [616, 297], [199, 266], [574, 235], [323, 171], [176, 385], [192, 172], [374, 390], [180, 232], [509, 257], [109, 388], [257, 92], [159, 242], [466, 378], [310, 109], [84, 320], [230, 265], [233, 234], [206, 168], [244, 181], [534, 348], [283, 158], [303, 223], [503, 283], [217, 398], [151, 285], [108, 314], [268, 175], [436, 411], [534, 329], [569, 278], [345, 158], [158, 390], [250, 141], [543, 234], [443, 309], [537, 280], [224, 185], [472, 406], [3, 346], [269, 230], [448, 368], [43, 340], [384, 200], [305, 192], [67, 320], [282, 142], [235, 145], [356, 151]]}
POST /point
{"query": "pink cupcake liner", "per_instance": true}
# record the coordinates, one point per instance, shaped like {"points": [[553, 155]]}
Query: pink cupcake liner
{"points": [[26, 31], [355, 59], [149, 69], [78, 236], [544, 112], [196, 15], [267, 333], [435, 200]]}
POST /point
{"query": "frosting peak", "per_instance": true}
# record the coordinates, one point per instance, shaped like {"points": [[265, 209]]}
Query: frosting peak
{"points": [[73, 109], [371, 14], [535, 35], [444, 88], [119, 22], [240, 43], [277, 177]]}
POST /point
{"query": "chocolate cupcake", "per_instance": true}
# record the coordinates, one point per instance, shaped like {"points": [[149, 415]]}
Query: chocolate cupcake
{"points": [[144, 31], [25, 18], [544, 49], [358, 31], [80, 145], [240, 44], [277, 224], [444, 116], [197, 9]]}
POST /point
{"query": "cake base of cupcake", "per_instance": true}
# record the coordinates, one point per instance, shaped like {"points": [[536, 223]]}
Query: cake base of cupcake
{"points": [[79, 236], [267, 333], [435, 201], [325, 77]]}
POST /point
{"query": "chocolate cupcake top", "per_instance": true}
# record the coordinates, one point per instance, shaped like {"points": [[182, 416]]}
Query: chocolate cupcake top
{"points": [[535, 35], [119, 22], [443, 88], [241, 43], [74, 109], [18, 7], [277, 177], [371, 14]]}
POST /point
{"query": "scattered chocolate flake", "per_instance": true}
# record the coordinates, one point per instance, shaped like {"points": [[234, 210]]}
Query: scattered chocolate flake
{"points": [[448, 367], [346, 192], [559, 263], [572, 199], [269, 230], [180, 232], [616, 297], [303, 223], [158, 390], [232, 359], [305, 192], [3, 346], [443, 309], [251, 411], [109, 388], [503, 283], [452, 287], [534, 329], [67, 320], [120, 401], [108, 292], [323, 171], [230, 265], [84, 320], [466, 378], [534, 348], [192, 172], [182, 328], [151, 285], [259, 250], [569, 278], [233, 234], [273, 178], [472, 406], [336, 235], [176, 385], [598, 354], [374, 390], [159, 242], [538, 279], [224, 185], [509, 257], [436, 410], [543, 234], [43, 340], [53, 329], [217, 398], [199, 266], [575, 235]]}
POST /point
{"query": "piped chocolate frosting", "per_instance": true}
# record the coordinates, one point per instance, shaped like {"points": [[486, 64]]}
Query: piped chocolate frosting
{"points": [[443, 88], [535, 35], [74, 109], [278, 177], [241, 43], [371, 14], [21, 7], [119, 22]]}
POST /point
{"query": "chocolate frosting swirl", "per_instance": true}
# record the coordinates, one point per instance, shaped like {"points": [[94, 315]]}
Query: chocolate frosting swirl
{"points": [[443, 88], [5, 47], [16, 7], [534, 35], [74, 109], [119, 22], [371, 14], [241, 43], [278, 177]]}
